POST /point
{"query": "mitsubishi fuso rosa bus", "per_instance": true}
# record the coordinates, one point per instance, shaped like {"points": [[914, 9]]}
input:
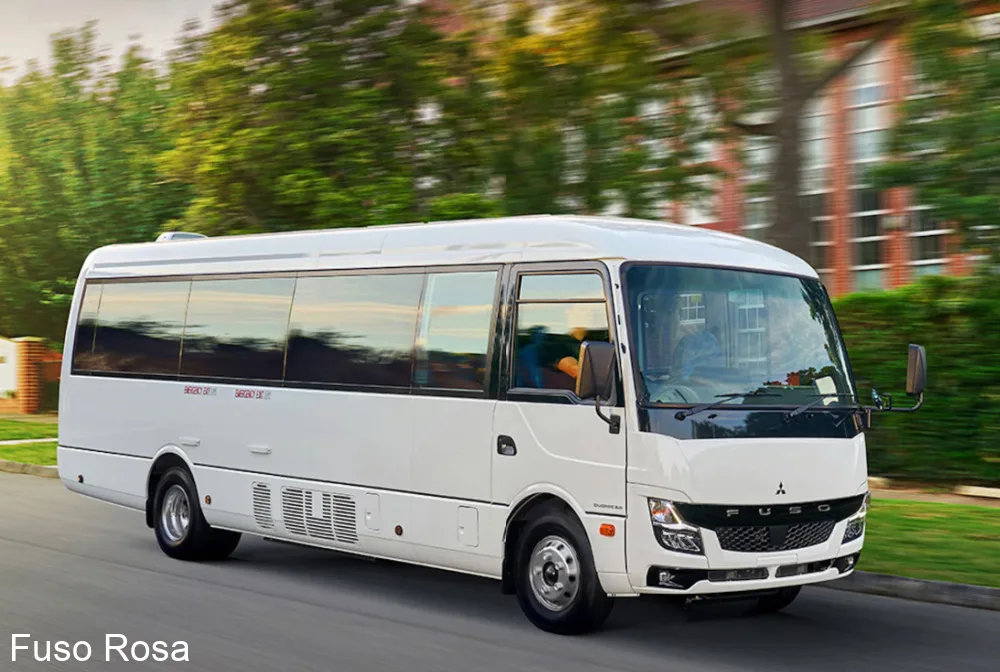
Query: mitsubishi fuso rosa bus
{"points": [[581, 408]]}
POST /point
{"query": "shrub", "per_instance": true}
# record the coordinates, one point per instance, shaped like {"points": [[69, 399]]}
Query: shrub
{"points": [[954, 437]]}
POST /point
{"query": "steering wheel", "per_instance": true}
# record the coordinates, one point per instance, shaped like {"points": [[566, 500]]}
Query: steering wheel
{"points": [[679, 394]]}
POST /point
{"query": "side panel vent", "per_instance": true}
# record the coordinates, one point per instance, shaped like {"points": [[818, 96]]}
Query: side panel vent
{"points": [[320, 515], [262, 505]]}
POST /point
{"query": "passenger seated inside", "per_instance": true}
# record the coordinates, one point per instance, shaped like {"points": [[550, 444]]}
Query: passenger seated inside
{"points": [[549, 361]]}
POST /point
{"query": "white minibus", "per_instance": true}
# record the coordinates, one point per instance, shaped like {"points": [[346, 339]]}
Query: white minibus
{"points": [[582, 408]]}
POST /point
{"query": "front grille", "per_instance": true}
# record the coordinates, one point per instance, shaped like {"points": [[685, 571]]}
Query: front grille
{"points": [[769, 539]]}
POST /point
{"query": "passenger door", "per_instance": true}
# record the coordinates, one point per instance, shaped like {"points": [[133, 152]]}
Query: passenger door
{"points": [[546, 438]]}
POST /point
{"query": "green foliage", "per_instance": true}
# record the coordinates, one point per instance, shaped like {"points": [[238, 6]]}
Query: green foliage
{"points": [[946, 144], [77, 170], [952, 439]]}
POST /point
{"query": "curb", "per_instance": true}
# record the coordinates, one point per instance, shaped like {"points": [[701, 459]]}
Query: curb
{"points": [[20, 442], [978, 492], [29, 469], [918, 590]]}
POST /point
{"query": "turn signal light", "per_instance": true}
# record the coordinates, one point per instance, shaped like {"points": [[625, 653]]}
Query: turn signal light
{"points": [[607, 530]]}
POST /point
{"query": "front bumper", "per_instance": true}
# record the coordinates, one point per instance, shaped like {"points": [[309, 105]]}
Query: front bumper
{"points": [[654, 569]]}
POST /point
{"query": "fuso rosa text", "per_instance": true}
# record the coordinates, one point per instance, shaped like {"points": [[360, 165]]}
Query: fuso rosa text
{"points": [[24, 648]]}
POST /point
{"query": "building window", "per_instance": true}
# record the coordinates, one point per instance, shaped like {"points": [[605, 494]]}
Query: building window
{"points": [[869, 118], [928, 242], [703, 116], [758, 154], [868, 240], [816, 150], [701, 208], [868, 80]]}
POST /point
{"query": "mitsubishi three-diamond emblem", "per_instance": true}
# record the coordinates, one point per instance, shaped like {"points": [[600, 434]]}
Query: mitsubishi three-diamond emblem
{"points": [[781, 489]]}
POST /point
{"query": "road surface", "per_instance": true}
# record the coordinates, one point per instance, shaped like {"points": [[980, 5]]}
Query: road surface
{"points": [[77, 570]]}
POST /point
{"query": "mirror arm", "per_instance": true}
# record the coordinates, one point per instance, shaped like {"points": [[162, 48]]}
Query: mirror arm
{"points": [[614, 421], [894, 409], [911, 409]]}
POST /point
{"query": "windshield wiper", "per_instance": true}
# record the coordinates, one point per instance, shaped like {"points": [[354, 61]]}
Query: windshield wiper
{"points": [[822, 397], [722, 398]]}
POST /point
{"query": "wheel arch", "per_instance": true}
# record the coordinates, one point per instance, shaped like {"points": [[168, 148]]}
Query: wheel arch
{"points": [[165, 458], [527, 505]]}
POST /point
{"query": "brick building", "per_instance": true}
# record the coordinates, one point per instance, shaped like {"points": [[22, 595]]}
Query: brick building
{"points": [[864, 239]]}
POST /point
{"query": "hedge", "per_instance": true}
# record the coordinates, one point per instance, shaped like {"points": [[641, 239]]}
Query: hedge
{"points": [[955, 437]]}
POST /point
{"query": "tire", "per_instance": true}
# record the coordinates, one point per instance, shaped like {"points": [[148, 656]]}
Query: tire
{"points": [[581, 606], [769, 604], [183, 533]]}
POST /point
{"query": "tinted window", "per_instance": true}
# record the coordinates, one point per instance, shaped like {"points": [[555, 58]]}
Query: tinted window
{"points": [[237, 328], [582, 286], [139, 326], [455, 330], [86, 328], [550, 328], [354, 330]]}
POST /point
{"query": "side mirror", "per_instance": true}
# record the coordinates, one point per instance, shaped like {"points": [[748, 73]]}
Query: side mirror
{"points": [[597, 362], [597, 378], [916, 370]]}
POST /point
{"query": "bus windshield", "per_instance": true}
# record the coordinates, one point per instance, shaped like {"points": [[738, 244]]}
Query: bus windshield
{"points": [[705, 335]]}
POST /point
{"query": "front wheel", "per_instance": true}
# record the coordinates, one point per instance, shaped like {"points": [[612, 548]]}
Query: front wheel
{"points": [[557, 584], [769, 604], [181, 529]]}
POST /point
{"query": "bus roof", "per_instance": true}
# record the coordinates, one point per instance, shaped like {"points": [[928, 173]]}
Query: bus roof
{"points": [[536, 238]]}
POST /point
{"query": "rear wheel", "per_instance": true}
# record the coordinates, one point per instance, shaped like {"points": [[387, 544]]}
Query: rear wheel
{"points": [[768, 604], [181, 529], [557, 584]]}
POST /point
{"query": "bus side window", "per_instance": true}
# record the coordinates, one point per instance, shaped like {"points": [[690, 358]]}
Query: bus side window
{"points": [[555, 314], [455, 331]]}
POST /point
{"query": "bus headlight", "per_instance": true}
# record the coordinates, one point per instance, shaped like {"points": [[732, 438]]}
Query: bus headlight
{"points": [[856, 523], [671, 532]]}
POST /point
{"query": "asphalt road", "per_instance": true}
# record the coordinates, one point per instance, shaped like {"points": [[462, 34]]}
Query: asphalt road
{"points": [[73, 569]]}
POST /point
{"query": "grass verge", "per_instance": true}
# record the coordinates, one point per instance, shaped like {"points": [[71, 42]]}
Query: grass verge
{"points": [[13, 430], [31, 453], [935, 541]]}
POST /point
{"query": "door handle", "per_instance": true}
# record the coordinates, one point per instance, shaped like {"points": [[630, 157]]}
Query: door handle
{"points": [[190, 441], [506, 446], [259, 449]]}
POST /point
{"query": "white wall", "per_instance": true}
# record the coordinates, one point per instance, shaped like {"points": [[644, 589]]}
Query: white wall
{"points": [[8, 366]]}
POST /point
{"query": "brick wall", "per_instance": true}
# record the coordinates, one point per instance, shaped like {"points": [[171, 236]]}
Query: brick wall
{"points": [[36, 365]]}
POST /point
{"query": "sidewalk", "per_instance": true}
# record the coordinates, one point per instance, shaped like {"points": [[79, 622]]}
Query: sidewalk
{"points": [[914, 495], [19, 442]]}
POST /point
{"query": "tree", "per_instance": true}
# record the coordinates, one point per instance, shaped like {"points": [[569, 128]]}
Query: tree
{"points": [[79, 144], [728, 51], [303, 114], [946, 144], [581, 120]]}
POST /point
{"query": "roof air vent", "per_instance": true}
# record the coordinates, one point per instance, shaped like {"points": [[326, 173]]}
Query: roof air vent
{"points": [[178, 235]]}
